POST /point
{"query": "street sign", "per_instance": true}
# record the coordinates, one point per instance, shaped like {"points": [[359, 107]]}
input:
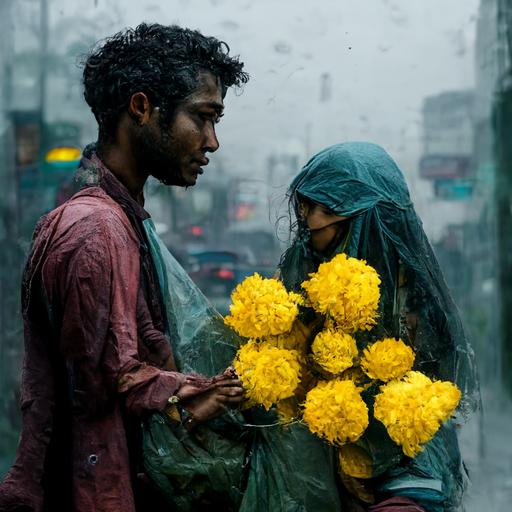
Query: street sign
{"points": [[453, 190]]}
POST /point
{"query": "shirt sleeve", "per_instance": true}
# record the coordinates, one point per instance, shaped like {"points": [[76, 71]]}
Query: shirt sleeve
{"points": [[154, 347]]}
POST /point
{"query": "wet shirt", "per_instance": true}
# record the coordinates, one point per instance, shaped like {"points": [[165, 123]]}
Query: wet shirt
{"points": [[95, 355]]}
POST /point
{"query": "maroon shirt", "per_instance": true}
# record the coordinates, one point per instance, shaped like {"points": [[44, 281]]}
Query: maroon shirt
{"points": [[94, 360], [397, 504]]}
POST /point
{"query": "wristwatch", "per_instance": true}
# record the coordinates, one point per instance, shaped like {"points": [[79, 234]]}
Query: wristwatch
{"points": [[176, 412], [172, 409], [173, 399]]}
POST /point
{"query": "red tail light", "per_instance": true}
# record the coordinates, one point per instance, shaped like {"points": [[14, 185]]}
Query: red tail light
{"points": [[225, 274], [196, 230]]}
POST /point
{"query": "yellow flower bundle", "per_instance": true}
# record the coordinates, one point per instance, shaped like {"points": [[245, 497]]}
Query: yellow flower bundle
{"points": [[269, 374], [334, 410], [347, 289], [262, 307], [413, 409], [274, 363]]}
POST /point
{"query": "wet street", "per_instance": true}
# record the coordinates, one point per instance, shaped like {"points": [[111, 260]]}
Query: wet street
{"points": [[489, 456]]}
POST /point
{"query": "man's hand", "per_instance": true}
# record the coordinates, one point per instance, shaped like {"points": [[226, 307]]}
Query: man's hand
{"points": [[224, 393], [196, 384]]}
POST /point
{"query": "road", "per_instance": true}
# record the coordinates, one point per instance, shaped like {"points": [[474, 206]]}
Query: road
{"points": [[486, 444]]}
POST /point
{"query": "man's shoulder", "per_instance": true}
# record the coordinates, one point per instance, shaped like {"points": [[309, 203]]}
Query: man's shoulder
{"points": [[88, 215], [91, 202], [92, 207]]}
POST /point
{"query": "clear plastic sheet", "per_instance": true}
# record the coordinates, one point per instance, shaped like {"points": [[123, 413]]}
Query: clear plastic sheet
{"points": [[236, 462]]}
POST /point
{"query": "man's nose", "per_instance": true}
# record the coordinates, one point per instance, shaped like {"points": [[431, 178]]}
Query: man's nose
{"points": [[211, 143]]}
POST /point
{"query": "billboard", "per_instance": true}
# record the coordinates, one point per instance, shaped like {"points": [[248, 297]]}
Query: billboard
{"points": [[444, 167]]}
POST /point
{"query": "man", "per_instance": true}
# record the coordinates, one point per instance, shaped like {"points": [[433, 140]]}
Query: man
{"points": [[96, 358]]}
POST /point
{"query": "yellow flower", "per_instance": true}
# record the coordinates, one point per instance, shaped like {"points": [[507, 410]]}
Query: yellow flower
{"points": [[334, 410], [414, 408], [262, 307], [334, 350], [355, 461], [387, 359], [269, 374], [346, 289]]}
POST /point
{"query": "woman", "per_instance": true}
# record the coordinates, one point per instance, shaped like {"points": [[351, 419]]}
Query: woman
{"points": [[352, 198]]}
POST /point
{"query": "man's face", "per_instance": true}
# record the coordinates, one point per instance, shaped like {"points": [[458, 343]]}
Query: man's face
{"points": [[176, 155]]}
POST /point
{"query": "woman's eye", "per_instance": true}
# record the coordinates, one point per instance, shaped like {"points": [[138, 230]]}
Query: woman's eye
{"points": [[326, 211]]}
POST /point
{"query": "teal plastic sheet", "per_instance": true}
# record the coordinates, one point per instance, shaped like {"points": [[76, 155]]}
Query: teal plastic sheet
{"points": [[360, 181]]}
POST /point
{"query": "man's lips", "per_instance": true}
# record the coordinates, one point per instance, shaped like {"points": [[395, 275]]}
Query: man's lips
{"points": [[202, 161]]}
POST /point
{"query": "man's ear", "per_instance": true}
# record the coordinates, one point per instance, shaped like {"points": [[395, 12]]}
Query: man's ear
{"points": [[139, 108]]}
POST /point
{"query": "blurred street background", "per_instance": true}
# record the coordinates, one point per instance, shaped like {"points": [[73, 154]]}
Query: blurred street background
{"points": [[430, 81]]}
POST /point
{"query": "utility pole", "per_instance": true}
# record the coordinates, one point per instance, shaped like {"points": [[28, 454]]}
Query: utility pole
{"points": [[43, 41]]}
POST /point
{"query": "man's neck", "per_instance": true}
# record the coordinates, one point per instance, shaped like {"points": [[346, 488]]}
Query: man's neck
{"points": [[122, 164]]}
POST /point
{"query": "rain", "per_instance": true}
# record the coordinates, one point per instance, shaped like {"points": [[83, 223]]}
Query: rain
{"points": [[430, 82]]}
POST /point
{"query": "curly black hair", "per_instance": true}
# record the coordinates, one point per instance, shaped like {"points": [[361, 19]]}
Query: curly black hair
{"points": [[162, 61]]}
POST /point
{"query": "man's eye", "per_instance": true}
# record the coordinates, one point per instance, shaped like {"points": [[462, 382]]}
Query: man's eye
{"points": [[214, 118]]}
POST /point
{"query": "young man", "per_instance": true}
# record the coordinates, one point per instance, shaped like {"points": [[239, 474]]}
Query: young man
{"points": [[96, 358]]}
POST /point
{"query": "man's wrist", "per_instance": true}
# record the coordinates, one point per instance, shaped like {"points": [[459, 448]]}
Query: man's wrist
{"points": [[176, 412]]}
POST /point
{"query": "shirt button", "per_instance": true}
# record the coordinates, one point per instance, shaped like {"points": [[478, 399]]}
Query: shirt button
{"points": [[93, 459]]}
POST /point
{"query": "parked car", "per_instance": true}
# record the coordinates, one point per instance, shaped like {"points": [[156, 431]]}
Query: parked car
{"points": [[217, 273]]}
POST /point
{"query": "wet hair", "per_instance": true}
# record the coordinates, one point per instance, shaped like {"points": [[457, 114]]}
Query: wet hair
{"points": [[164, 62]]}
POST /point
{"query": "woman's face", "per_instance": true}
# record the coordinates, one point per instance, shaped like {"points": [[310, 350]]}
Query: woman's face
{"points": [[322, 222]]}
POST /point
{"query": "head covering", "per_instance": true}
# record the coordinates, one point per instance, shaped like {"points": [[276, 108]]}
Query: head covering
{"points": [[361, 181]]}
